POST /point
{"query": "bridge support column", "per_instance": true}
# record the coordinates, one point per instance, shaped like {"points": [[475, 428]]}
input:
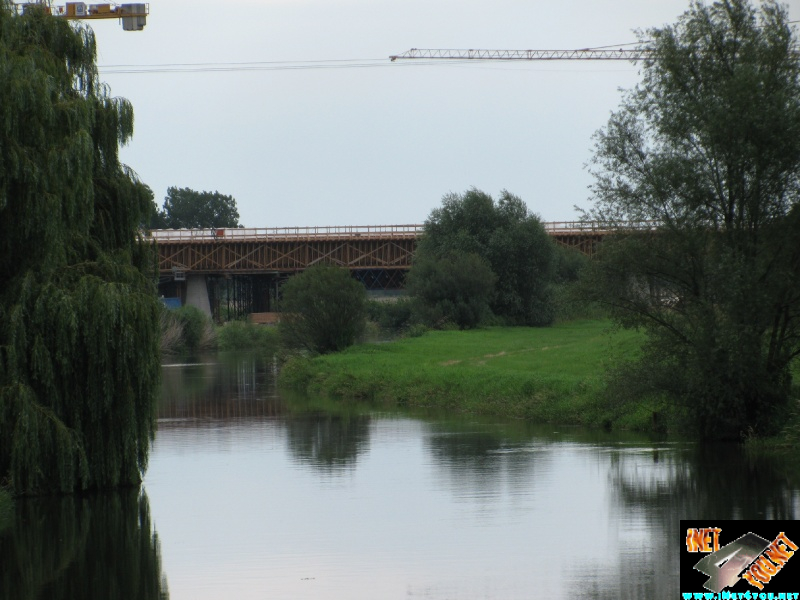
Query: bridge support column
{"points": [[197, 293]]}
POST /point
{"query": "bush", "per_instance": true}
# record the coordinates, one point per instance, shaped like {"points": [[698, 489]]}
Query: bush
{"points": [[241, 335], [391, 315], [197, 329], [171, 331], [455, 289], [570, 303], [568, 264], [323, 309]]}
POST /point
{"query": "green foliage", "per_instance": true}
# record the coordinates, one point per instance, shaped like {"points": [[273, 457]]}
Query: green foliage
{"points": [[171, 332], [79, 362], [391, 315], [185, 208], [455, 288], [568, 264], [569, 300], [508, 238], [323, 309], [241, 335], [6, 510], [154, 219], [197, 331], [708, 147]]}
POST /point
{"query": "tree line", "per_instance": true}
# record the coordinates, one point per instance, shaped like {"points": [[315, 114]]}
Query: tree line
{"points": [[185, 208]]}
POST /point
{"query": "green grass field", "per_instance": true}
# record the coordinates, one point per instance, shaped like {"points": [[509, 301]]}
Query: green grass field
{"points": [[552, 374]]}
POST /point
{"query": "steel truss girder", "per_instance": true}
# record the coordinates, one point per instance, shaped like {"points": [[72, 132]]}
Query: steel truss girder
{"points": [[284, 256]]}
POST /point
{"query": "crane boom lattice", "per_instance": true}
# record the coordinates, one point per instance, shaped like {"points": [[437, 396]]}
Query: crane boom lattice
{"points": [[584, 54]]}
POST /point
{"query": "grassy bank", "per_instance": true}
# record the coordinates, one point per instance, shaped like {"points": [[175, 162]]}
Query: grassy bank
{"points": [[550, 374], [6, 504]]}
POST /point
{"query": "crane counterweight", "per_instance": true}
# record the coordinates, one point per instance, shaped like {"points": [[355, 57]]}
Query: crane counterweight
{"points": [[133, 16]]}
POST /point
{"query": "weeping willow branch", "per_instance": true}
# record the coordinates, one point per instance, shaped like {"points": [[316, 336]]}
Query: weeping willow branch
{"points": [[79, 360]]}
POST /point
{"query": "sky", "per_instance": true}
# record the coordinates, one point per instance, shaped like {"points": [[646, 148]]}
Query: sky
{"points": [[326, 130]]}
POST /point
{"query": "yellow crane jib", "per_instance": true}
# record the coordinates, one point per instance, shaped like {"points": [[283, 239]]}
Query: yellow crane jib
{"points": [[582, 54], [133, 16]]}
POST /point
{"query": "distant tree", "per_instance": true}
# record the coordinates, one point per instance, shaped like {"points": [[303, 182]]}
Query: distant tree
{"points": [[155, 218], [79, 361], [708, 148], [185, 208], [456, 288], [323, 309], [508, 238]]}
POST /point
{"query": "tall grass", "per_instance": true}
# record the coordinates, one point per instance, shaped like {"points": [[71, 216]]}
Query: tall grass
{"points": [[553, 374], [186, 329], [241, 335], [171, 332]]}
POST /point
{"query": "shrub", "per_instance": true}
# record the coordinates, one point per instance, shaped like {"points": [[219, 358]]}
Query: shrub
{"points": [[323, 309], [241, 335], [454, 288], [392, 315], [198, 331], [171, 332]]}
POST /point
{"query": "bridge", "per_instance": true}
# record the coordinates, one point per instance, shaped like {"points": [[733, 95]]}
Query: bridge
{"points": [[292, 249], [240, 269]]}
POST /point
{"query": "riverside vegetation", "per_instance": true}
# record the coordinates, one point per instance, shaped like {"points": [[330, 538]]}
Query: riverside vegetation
{"points": [[706, 146], [554, 374], [570, 374], [188, 331]]}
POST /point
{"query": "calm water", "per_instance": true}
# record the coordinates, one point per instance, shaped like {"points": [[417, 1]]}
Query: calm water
{"points": [[254, 495]]}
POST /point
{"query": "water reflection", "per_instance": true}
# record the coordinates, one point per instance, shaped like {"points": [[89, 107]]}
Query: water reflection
{"points": [[653, 489], [328, 441], [224, 387], [483, 459], [98, 546], [422, 505]]}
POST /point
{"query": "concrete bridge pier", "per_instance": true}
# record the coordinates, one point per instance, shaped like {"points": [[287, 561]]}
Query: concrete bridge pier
{"points": [[197, 293]]}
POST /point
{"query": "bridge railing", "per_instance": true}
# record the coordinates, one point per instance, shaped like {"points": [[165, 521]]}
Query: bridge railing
{"points": [[244, 234], [285, 233], [598, 227]]}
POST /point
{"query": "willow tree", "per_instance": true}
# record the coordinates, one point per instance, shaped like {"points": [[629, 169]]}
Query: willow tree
{"points": [[78, 312], [707, 148]]}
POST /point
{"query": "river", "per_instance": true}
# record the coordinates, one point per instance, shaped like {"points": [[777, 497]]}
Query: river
{"points": [[251, 494]]}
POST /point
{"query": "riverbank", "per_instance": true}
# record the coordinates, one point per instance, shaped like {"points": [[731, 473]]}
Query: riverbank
{"points": [[553, 374]]}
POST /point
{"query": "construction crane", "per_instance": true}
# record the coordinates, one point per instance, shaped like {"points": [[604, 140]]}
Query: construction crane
{"points": [[133, 16], [584, 54]]}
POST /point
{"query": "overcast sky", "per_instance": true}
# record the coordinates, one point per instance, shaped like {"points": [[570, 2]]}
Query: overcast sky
{"points": [[379, 143]]}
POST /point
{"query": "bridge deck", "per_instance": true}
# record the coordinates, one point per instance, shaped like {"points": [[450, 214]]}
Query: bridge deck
{"points": [[289, 249]]}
